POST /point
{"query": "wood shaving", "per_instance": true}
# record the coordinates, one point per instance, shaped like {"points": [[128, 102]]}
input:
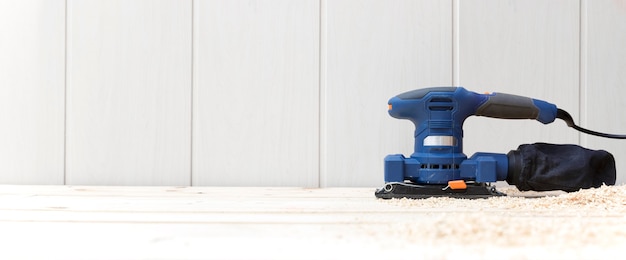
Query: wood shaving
{"points": [[578, 221]]}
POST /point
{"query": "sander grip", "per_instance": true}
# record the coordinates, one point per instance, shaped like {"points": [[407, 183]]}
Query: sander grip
{"points": [[507, 106]]}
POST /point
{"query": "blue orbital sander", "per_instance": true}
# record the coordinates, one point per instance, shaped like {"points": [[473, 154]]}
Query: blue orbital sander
{"points": [[439, 168]]}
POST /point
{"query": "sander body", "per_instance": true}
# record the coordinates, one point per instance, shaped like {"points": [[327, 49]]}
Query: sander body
{"points": [[438, 166]]}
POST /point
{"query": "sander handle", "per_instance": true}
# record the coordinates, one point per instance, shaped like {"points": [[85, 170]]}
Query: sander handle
{"points": [[507, 106]]}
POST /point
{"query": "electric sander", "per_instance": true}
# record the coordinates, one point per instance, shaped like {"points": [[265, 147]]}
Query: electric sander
{"points": [[438, 167]]}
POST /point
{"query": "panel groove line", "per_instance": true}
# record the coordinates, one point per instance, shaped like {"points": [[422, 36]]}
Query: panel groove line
{"points": [[321, 92], [582, 69], [65, 94], [455, 42], [191, 94]]}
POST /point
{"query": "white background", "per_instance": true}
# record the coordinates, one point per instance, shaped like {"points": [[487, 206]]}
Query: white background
{"points": [[285, 93]]}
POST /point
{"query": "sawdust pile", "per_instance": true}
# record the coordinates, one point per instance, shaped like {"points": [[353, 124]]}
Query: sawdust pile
{"points": [[589, 219], [603, 200]]}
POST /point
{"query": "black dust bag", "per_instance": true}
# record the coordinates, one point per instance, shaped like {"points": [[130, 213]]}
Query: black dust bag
{"points": [[544, 167]]}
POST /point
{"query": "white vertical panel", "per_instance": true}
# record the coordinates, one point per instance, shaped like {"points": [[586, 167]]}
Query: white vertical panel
{"points": [[129, 92], [256, 93], [32, 71], [528, 48], [374, 50], [604, 77]]}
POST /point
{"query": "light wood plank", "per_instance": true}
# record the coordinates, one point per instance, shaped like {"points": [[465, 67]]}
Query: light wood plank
{"points": [[527, 48], [256, 93], [604, 75], [129, 92], [374, 50], [282, 223], [32, 82]]}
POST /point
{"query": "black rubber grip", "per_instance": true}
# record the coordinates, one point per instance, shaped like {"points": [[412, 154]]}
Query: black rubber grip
{"points": [[508, 106]]}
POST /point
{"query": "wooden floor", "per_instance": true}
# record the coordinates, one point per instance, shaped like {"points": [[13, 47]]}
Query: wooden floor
{"points": [[63, 222]]}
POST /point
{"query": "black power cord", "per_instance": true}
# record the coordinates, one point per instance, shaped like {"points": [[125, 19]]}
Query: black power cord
{"points": [[562, 114]]}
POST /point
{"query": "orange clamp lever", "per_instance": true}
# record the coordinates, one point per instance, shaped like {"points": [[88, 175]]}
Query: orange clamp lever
{"points": [[457, 185]]}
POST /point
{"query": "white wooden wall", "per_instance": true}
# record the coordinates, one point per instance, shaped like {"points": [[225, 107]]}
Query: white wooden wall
{"points": [[32, 91], [285, 93], [256, 93], [128, 92]]}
